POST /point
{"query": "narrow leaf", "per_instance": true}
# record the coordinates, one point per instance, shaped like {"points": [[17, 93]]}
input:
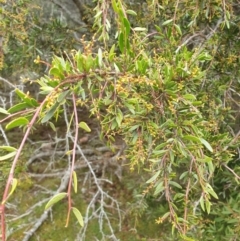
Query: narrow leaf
{"points": [[189, 97], [98, 14], [178, 29], [159, 188], [78, 215], [175, 184], [52, 126], [211, 191], [84, 126], [18, 107], [56, 72], [9, 155], [75, 183], [50, 113], [112, 52], [139, 29], [127, 27], [115, 6], [14, 185], [184, 174], [55, 199], [208, 206], [121, 42], [62, 96], [206, 144], [167, 22], [20, 93], [21, 121], [154, 177], [30, 101], [131, 12], [2, 111], [100, 57], [191, 138], [119, 117], [116, 68], [202, 204], [8, 148]]}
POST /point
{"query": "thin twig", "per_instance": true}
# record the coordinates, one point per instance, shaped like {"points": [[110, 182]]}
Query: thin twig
{"points": [[231, 170]]}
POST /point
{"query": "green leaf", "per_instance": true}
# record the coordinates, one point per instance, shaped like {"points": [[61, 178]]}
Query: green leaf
{"points": [[75, 183], [202, 203], [115, 6], [78, 215], [189, 97], [79, 60], [55, 199], [175, 184], [206, 144], [119, 117], [159, 152], [57, 73], [184, 174], [127, 27], [52, 126], [139, 29], [100, 57], [121, 42], [33, 102], [21, 121], [8, 148], [205, 159], [210, 167], [2, 111], [167, 22], [131, 12], [191, 138], [18, 107], [154, 177], [167, 214], [30, 101], [114, 124], [46, 90], [89, 63], [171, 154], [84, 126], [50, 113], [133, 128], [159, 188], [98, 14], [208, 206], [116, 68], [14, 185], [62, 96], [112, 53], [178, 28], [211, 191], [20, 93], [9, 155]]}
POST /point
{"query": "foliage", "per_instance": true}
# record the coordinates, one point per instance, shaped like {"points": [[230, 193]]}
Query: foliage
{"points": [[26, 35], [171, 94]]}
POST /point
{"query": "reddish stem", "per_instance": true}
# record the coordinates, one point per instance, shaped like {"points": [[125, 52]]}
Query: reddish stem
{"points": [[73, 160]]}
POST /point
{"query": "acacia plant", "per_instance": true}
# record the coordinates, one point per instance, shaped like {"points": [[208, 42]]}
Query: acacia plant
{"points": [[169, 87]]}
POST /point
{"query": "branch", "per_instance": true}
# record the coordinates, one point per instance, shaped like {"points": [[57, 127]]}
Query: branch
{"points": [[231, 170]]}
